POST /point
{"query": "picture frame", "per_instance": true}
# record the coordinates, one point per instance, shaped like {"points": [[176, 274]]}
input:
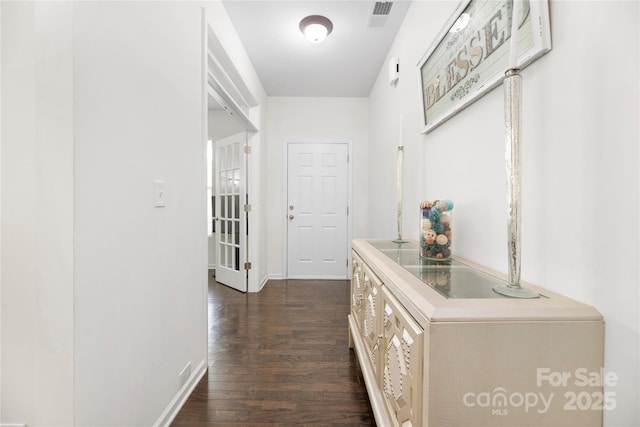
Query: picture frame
{"points": [[470, 55]]}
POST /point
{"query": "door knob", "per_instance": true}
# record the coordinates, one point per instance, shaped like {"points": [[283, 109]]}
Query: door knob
{"points": [[290, 207], [290, 216]]}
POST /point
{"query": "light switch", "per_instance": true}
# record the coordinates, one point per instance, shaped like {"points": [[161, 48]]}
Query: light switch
{"points": [[159, 193]]}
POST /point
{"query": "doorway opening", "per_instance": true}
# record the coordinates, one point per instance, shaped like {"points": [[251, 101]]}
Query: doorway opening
{"points": [[229, 130]]}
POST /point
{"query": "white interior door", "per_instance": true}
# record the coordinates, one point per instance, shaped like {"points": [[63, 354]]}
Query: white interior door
{"points": [[317, 210], [230, 194]]}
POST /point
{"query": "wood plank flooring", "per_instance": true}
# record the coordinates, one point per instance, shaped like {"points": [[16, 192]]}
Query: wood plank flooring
{"points": [[279, 357]]}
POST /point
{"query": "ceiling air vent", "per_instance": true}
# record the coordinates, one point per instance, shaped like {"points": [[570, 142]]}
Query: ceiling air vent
{"points": [[382, 7], [380, 14]]}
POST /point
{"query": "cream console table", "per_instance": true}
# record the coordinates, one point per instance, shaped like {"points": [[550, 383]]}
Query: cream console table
{"points": [[439, 348]]}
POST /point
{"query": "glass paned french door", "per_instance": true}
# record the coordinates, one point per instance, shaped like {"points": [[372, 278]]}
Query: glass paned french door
{"points": [[231, 233]]}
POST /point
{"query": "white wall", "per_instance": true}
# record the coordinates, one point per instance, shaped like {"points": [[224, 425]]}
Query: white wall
{"points": [[37, 214], [312, 119], [221, 124], [580, 168], [0, 210], [141, 271], [103, 295]]}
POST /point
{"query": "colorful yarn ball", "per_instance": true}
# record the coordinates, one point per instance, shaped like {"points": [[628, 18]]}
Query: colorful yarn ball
{"points": [[438, 227]]}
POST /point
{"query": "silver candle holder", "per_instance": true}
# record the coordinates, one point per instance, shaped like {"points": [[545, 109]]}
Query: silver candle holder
{"points": [[399, 172], [513, 123]]}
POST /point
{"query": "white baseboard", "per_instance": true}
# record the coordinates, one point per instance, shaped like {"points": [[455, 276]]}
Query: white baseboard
{"points": [[180, 398], [263, 282], [13, 425]]}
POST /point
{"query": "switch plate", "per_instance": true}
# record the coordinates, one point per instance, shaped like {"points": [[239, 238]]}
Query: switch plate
{"points": [[160, 193]]}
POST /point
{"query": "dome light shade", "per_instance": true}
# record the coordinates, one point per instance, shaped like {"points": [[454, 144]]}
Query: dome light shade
{"points": [[316, 28]]}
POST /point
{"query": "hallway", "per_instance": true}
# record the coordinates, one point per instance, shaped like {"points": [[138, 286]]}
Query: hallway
{"points": [[279, 357]]}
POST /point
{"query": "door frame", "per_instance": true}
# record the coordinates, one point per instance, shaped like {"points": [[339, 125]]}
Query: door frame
{"points": [[222, 80], [285, 192]]}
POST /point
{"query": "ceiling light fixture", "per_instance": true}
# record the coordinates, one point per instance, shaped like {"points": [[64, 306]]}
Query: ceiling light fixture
{"points": [[316, 28]]}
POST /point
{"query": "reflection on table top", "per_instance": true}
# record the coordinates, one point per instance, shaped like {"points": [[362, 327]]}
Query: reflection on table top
{"points": [[452, 279]]}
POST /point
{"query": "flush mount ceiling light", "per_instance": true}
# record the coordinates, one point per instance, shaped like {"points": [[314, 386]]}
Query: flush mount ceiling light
{"points": [[316, 28]]}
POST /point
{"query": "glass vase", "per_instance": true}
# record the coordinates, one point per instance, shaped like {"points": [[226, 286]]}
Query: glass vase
{"points": [[436, 220]]}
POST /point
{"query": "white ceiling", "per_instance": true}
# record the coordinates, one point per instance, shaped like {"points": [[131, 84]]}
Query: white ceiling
{"points": [[346, 64]]}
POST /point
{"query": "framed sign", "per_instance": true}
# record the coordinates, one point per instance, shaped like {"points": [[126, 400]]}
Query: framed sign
{"points": [[471, 54]]}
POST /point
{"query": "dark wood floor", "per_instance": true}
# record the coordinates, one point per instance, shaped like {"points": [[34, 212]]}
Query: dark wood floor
{"points": [[279, 357]]}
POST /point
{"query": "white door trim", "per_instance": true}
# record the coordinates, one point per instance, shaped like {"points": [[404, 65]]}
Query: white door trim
{"points": [[284, 209]]}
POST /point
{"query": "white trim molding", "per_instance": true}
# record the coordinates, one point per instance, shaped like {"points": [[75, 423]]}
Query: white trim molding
{"points": [[171, 411]]}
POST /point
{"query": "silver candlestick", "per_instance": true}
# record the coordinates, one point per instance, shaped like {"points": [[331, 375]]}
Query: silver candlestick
{"points": [[513, 122], [399, 168]]}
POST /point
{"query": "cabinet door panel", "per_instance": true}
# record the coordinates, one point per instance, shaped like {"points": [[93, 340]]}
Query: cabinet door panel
{"points": [[372, 324], [357, 290], [402, 363]]}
